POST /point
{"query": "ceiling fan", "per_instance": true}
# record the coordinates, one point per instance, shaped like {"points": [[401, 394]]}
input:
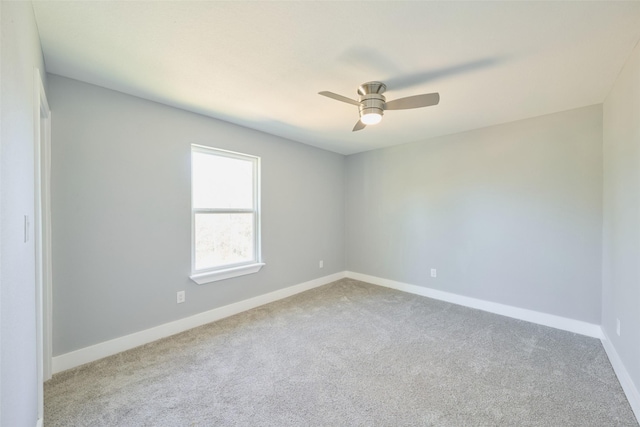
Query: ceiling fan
{"points": [[372, 103]]}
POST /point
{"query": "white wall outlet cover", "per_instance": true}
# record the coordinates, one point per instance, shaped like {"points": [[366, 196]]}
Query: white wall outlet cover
{"points": [[434, 273], [321, 264], [180, 297]]}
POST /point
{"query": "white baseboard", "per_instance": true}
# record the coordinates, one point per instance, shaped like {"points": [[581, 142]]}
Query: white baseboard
{"points": [[571, 325], [98, 351], [630, 389], [563, 323], [39, 422], [117, 345]]}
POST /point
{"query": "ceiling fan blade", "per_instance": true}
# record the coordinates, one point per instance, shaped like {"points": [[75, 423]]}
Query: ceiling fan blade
{"points": [[339, 97], [415, 101], [370, 61], [421, 77], [359, 126]]}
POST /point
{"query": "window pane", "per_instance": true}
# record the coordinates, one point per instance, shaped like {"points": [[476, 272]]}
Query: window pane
{"points": [[221, 182], [223, 239]]}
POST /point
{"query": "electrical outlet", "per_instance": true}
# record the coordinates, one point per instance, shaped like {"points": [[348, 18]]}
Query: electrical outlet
{"points": [[618, 327], [434, 273], [180, 298], [321, 264]]}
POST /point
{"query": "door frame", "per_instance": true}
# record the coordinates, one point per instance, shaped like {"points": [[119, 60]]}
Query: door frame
{"points": [[42, 237]]}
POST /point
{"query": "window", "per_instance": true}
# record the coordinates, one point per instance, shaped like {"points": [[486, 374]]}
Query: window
{"points": [[225, 215]]}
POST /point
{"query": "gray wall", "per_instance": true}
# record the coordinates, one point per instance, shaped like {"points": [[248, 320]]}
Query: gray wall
{"points": [[121, 213], [20, 54], [621, 237], [509, 214]]}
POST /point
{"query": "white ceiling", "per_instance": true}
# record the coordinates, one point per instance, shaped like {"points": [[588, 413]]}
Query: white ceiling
{"points": [[261, 64]]}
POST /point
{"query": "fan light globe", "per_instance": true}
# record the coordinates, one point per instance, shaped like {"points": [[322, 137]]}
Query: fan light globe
{"points": [[371, 118]]}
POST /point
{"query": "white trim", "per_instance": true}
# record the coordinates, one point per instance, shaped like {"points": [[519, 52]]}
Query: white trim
{"points": [[563, 323], [228, 273], [200, 276], [42, 234], [630, 389], [47, 261], [108, 348], [566, 324], [39, 422]]}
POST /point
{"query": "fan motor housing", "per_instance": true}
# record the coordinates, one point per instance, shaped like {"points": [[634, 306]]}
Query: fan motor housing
{"points": [[371, 88], [371, 98], [372, 104]]}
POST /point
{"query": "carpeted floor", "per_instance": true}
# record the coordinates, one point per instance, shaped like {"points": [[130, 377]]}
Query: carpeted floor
{"points": [[349, 354]]}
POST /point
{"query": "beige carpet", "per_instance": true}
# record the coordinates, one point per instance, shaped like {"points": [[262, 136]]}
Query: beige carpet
{"points": [[349, 354]]}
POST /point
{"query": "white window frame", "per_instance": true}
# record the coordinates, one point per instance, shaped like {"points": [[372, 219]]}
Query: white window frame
{"points": [[228, 271]]}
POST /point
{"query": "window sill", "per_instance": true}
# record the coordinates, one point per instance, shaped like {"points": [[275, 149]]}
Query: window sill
{"points": [[214, 276]]}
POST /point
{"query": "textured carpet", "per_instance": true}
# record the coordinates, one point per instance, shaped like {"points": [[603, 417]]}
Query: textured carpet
{"points": [[349, 354]]}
